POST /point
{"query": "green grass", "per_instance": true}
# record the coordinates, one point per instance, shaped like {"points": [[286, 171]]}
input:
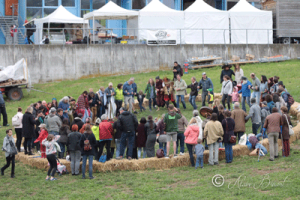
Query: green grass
{"points": [[176, 183]]}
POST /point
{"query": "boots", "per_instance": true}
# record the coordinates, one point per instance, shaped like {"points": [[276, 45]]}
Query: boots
{"points": [[26, 152], [30, 153]]}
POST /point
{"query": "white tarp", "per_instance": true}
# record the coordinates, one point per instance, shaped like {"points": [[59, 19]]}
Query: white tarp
{"points": [[157, 16], [199, 16], [17, 71], [245, 16], [162, 37], [61, 16]]}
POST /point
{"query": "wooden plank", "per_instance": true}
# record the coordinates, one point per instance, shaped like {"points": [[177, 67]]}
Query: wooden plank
{"points": [[244, 62], [206, 60], [206, 66]]}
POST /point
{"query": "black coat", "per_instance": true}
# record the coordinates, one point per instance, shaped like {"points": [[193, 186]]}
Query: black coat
{"points": [[226, 72], [92, 139], [73, 142], [228, 129], [63, 132], [194, 89], [127, 122], [28, 122], [118, 132], [178, 68], [78, 122], [148, 130]]}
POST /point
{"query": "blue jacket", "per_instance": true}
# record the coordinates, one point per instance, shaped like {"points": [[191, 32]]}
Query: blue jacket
{"points": [[127, 89], [245, 90], [271, 105], [134, 88], [285, 96], [2, 102], [206, 84]]}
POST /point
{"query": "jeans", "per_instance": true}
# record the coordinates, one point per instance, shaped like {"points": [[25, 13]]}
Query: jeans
{"points": [[255, 128], [244, 100], [224, 97], [256, 95], [182, 101], [8, 160], [118, 145], [4, 114], [53, 164], [100, 111], [228, 152], [131, 137], [180, 137], [163, 146], [203, 96], [190, 148], [62, 148], [140, 152], [75, 161], [128, 101], [119, 105], [238, 135], [86, 115], [150, 102], [273, 145], [192, 100], [141, 106], [107, 146], [262, 148], [27, 144], [84, 158], [199, 159], [213, 153], [19, 138], [54, 133]]}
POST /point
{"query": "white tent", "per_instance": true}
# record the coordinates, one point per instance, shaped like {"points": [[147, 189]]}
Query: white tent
{"points": [[199, 16], [157, 16], [111, 11], [60, 15], [259, 24]]}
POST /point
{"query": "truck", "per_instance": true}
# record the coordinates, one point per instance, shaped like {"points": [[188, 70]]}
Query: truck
{"points": [[286, 20]]}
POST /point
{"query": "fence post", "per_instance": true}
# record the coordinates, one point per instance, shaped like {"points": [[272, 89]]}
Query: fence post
{"points": [[64, 37], [247, 39]]}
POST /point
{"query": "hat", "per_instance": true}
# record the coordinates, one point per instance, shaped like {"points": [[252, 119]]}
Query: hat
{"points": [[42, 125], [98, 120], [244, 78], [54, 99], [265, 103], [122, 109], [210, 90], [52, 110], [157, 77], [227, 65], [203, 73]]}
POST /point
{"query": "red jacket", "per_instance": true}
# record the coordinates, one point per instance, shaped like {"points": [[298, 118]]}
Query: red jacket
{"points": [[191, 134], [105, 130], [43, 135]]}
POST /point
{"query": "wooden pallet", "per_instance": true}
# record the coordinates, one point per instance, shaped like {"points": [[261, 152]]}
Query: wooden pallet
{"points": [[206, 60], [206, 66], [244, 62]]}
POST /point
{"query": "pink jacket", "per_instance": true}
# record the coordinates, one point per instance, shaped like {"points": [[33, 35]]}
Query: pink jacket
{"points": [[191, 134], [235, 95]]}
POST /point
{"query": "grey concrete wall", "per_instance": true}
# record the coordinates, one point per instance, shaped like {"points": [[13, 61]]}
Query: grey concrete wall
{"points": [[52, 62]]}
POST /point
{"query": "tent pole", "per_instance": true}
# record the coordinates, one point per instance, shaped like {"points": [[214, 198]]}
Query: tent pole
{"points": [[48, 29], [93, 29]]}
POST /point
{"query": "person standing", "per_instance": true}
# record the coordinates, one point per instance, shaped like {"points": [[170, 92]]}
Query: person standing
{"points": [[110, 93], [226, 71], [128, 92], [79, 34], [28, 122], [273, 125], [255, 115], [199, 149], [119, 97], [194, 92], [228, 125], [263, 88], [286, 122], [3, 110], [226, 91], [81, 103], [93, 104], [18, 127], [10, 152], [182, 123], [65, 106], [205, 83], [63, 132], [160, 129], [74, 148], [53, 122], [13, 33], [239, 73], [255, 87], [176, 70], [141, 138], [246, 93], [134, 90], [191, 136], [150, 129], [105, 134], [150, 93], [238, 115], [159, 85], [180, 87]]}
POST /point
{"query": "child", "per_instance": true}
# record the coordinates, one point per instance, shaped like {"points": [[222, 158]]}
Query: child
{"points": [[210, 98], [235, 95], [140, 98], [43, 135], [51, 149], [199, 153], [10, 152]]}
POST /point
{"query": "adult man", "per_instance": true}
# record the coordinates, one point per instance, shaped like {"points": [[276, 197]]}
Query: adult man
{"points": [[176, 70], [134, 90], [35, 109], [205, 83], [128, 92], [53, 122], [226, 71], [180, 87], [60, 114], [285, 95], [273, 125], [238, 115], [3, 110], [127, 122], [255, 115], [171, 128], [109, 91], [246, 85], [194, 92], [255, 87]]}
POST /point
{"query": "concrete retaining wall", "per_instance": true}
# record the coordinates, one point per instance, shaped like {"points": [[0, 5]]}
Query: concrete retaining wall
{"points": [[52, 62]]}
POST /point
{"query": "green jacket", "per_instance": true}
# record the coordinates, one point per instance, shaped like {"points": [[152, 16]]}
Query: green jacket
{"points": [[171, 121], [119, 94], [148, 90], [181, 85]]}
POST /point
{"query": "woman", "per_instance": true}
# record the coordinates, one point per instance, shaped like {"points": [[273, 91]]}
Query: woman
{"points": [[277, 103], [93, 105], [28, 122], [87, 144], [49, 106], [119, 97], [191, 136], [286, 119], [54, 103], [270, 84], [150, 93], [105, 134], [63, 132], [141, 138], [270, 103], [182, 123], [216, 107], [263, 88], [18, 128], [43, 135], [64, 105], [226, 91], [238, 73], [160, 92], [228, 128], [150, 127], [213, 131]]}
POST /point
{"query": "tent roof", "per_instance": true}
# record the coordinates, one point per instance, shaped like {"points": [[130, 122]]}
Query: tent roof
{"points": [[111, 11], [244, 6], [62, 15], [155, 6], [201, 6]]}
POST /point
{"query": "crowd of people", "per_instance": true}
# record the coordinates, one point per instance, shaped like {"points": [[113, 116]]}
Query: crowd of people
{"points": [[82, 128]]}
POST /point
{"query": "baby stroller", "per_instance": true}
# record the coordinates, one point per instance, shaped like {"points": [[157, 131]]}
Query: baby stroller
{"points": [[61, 169]]}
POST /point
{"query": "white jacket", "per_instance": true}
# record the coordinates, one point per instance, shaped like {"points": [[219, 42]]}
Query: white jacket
{"points": [[226, 87], [238, 76], [20, 115]]}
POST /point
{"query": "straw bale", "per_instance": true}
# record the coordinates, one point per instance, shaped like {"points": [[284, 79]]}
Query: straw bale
{"points": [[294, 110]]}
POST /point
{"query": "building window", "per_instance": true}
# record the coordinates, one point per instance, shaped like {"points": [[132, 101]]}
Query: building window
{"points": [[138, 4], [85, 4], [34, 13], [48, 11], [68, 3], [98, 4], [170, 3], [34, 3], [51, 2], [118, 2]]}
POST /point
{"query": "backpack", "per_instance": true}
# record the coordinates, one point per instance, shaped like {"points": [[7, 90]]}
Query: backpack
{"points": [[87, 146], [15, 120], [290, 100]]}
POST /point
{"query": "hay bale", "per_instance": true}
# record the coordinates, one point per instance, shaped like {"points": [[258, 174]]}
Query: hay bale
{"points": [[294, 110]]}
